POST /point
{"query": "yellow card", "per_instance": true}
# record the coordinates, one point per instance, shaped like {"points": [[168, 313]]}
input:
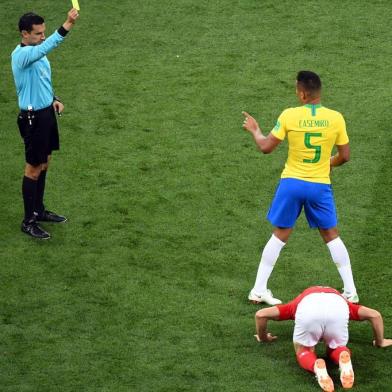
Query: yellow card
{"points": [[75, 4]]}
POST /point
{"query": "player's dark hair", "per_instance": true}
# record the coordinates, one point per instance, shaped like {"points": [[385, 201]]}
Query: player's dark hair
{"points": [[27, 21], [309, 81]]}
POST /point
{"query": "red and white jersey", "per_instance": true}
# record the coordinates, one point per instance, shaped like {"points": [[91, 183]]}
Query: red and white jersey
{"points": [[289, 310]]}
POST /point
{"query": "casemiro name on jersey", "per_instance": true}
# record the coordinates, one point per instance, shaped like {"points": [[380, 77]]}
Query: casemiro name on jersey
{"points": [[313, 123]]}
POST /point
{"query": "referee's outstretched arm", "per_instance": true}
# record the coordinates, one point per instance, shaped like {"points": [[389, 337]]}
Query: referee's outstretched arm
{"points": [[34, 52]]}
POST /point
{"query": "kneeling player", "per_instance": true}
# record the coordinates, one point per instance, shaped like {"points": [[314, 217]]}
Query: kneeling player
{"points": [[322, 313]]}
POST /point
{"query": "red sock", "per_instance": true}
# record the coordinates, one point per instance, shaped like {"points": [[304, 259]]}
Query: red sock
{"points": [[334, 354], [306, 359]]}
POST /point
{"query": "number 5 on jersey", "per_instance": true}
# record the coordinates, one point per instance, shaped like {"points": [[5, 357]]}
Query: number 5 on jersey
{"points": [[317, 149]]}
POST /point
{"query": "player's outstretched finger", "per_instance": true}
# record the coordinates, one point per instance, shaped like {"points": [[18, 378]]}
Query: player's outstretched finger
{"points": [[246, 114]]}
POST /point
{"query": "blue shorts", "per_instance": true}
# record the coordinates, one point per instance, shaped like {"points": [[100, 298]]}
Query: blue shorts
{"points": [[292, 194]]}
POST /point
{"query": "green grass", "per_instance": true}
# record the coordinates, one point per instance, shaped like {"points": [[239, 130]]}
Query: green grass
{"points": [[145, 288]]}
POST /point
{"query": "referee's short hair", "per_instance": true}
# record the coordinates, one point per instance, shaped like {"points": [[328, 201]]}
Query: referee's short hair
{"points": [[309, 81], [27, 21]]}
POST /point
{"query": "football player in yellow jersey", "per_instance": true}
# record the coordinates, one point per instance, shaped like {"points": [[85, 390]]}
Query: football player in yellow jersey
{"points": [[312, 131]]}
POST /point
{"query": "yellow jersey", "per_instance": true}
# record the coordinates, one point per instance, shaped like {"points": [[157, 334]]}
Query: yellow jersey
{"points": [[312, 131]]}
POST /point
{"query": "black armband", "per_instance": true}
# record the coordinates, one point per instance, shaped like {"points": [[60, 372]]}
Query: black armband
{"points": [[62, 31]]}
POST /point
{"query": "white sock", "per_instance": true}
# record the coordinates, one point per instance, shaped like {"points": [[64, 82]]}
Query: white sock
{"points": [[269, 256], [342, 260]]}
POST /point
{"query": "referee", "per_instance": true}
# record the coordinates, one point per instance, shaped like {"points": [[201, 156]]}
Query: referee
{"points": [[37, 120]]}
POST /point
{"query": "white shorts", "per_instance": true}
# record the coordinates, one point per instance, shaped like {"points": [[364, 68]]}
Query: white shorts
{"points": [[322, 316]]}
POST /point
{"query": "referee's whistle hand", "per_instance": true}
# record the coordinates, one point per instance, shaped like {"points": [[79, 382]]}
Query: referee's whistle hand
{"points": [[58, 107]]}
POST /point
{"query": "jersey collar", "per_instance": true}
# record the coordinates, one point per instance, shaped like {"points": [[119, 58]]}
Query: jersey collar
{"points": [[313, 107]]}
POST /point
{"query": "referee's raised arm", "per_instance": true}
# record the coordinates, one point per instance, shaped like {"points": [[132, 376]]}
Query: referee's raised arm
{"points": [[73, 14], [34, 44]]}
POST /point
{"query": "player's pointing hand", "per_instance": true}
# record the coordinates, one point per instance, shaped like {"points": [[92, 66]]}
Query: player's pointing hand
{"points": [[250, 124]]}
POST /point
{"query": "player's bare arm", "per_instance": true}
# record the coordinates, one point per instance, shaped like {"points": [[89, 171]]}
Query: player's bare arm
{"points": [[73, 14], [375, 318], [261, 318], [266, 144], [342, 156]]}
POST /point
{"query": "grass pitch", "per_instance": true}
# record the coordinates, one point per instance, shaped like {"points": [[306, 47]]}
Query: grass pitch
{"points": [[145, 287]]}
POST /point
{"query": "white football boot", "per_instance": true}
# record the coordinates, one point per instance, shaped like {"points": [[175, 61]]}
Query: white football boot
{"points": [[322, 376], [346, 370], [266, 297], [351, 297]]}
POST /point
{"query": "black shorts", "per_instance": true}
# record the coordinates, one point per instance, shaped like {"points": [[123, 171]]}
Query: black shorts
{"points": [[40, 134]]}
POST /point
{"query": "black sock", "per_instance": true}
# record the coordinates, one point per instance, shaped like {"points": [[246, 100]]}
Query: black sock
{"points": [[39, 201], [29, 191]]}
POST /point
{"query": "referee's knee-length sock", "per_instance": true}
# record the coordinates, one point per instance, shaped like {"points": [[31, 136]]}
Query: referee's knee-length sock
{"points": [[341, 258], [269, 256], [29, 192], [39, 201]]}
